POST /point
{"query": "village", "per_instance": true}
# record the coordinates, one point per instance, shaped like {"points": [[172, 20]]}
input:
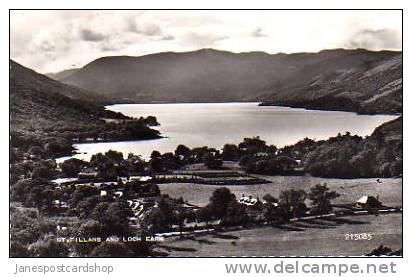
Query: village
{"points": [[142, 194], [191, 194]]}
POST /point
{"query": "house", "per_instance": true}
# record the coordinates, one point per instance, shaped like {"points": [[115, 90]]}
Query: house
{"points": [[249, 201], [131, 179], [87, 175], [367, 201]]}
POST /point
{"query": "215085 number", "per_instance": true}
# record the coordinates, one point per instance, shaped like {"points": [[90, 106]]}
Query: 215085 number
{"points": [[361, 236]]}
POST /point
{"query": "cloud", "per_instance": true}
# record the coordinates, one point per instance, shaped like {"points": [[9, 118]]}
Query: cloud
{"points": [[201, 40], [89, 35], [168, 37], [149, 29], [375, 39], [144, 28], [257, 33], [108, 48], [50, 41], [185, 20]]}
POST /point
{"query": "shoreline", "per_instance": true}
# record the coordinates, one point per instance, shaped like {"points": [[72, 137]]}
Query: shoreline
{"points": [[263, 104], [259, 103]]}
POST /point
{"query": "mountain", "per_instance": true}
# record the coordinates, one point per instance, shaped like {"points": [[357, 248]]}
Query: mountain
{"points": [[62, 74], [42, 113], [30, 79], [209, 75], [372, 87]]}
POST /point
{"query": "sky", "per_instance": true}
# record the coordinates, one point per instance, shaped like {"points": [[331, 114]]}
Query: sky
{"points": [[51, 41]]}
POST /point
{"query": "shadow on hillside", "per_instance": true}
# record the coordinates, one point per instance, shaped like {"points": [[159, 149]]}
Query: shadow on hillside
{"points": [[341, 221], [175, 248], [223, 236]]}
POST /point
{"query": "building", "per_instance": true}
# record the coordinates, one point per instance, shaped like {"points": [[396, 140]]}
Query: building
{"points": [[87, 175], [368, 202], [249, 201]]}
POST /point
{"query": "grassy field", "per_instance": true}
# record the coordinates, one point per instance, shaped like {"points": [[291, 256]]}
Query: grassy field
{"points": [[315, 238], [350, 190]]}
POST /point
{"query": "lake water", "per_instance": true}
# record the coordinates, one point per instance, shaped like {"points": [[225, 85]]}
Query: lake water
{"points": [[215, 124]]}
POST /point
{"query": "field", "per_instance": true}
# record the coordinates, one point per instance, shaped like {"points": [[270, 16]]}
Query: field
{"points": [[314, 238], [350, 190], [319, 238]]}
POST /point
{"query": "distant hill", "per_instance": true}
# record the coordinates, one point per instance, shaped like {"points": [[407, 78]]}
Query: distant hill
{"points": [[209, 75], [41, 112], [371, 87], [62, 74], [30, 79]]}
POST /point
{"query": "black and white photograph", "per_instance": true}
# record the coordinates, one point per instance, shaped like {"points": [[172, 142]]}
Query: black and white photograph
{"points": [[205, 133]]}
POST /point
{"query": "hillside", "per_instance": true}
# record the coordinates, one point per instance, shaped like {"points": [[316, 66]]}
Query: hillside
{"points": [[348, 156], [372, 87], [40, 114], [209, 75], [345, 156], [62, 74], [30, 79]]}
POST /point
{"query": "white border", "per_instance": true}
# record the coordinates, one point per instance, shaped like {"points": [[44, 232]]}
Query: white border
{"points": [[200, 267]]}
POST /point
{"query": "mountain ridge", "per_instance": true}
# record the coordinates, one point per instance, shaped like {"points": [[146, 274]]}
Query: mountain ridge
{"points": [[41, 114], [209, 75]]}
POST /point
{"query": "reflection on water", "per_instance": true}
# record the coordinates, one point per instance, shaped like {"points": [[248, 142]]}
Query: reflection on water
{"points": [[214, 124]]}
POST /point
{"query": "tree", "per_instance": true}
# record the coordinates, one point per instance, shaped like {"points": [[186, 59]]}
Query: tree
{"points": [[72, 167], [88, 229], [111, 249], [33, 193], [19, 190], [219, 202], [113, 218], [293, 201], [275, 213], [133, 165], [24, 226], [39, 197], [284, 164], [181, 214], [36, 150], [230, 152], [107, 170], [155, 154], [253, 145], [380, 251], [81, 193], [235, 214], [18, 250], [43, 172], [321, 197], [98, 159], [182, 150], [60, 147], [85, 205], [270, 199], [212, 162], [396, 168], [48, 248], [115, 156], [162, 217], [204, 214]]}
